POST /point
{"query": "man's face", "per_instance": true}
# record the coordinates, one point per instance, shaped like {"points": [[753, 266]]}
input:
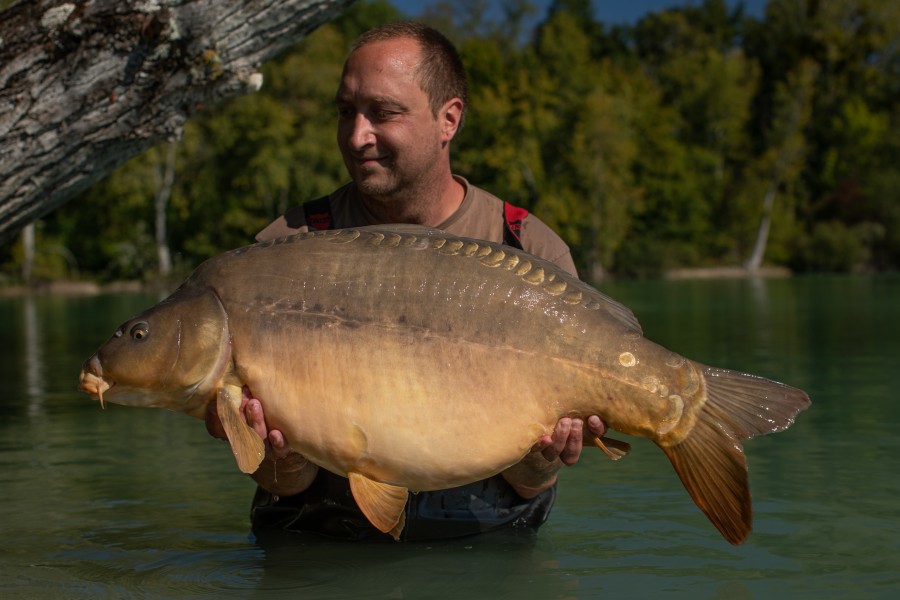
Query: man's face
{"points": [[387, 134]]}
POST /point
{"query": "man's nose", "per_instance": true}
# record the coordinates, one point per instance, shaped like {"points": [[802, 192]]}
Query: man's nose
{"points": [[362, 133]]}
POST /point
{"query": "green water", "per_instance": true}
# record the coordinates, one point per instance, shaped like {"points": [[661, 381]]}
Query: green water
{"points": [[143, 503]]}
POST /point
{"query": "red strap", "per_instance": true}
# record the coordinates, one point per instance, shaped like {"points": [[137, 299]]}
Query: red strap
{"points": [[319, 221], [513, 217], [318, 213]]}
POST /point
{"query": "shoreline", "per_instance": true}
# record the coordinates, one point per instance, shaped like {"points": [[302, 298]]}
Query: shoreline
{"points": [[81, 288], [91, 288], [726, 273]]}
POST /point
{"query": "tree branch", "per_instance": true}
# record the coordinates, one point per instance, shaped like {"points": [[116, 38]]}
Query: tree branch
{"points": [[87, 84]]}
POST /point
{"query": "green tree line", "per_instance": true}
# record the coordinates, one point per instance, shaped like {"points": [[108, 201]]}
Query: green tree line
{"points": [[698, 137]]}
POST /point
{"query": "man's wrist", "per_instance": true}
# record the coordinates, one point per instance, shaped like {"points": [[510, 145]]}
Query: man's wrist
{"points": [[532, 475], [287, 476]]}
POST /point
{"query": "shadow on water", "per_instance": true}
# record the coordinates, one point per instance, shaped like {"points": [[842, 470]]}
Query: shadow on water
{"points": [[143, 503]]}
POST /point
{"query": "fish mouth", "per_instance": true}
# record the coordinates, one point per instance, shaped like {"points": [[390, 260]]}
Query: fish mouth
{"points": [[92, 383]]}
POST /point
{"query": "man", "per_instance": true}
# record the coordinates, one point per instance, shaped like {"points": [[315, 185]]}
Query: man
{"points": [[401, 100]]}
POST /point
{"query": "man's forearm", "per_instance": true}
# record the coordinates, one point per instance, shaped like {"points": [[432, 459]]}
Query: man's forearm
{"points": [[286, 476], [532, 475]]}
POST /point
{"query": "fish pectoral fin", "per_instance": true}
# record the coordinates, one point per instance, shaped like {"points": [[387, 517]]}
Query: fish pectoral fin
{"points": [[246, 445], [382, 503], [614, 449]]}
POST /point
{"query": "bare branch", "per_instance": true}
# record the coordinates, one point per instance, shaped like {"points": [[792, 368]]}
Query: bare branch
{"points": [[87, 84]]}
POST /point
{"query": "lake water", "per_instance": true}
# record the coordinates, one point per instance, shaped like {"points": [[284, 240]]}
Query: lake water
{"points": [[143, 503]]}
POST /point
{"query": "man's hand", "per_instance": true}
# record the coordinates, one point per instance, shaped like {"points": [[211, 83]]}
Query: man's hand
{"points": [[284, 472], [538, 471], [276, 446], [252, 411], [567, 439]]}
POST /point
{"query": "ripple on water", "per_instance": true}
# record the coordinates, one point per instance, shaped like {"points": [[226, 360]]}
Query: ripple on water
{"points": [[118, 572]]}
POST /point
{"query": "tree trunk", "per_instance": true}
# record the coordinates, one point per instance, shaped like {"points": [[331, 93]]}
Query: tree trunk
{"points": [[87, 84], [762, 235], [165, 180], [788, 154]]}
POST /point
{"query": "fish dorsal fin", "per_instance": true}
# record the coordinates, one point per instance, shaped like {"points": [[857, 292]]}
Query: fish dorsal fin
{"points": [[403, 229], [246, 445], [382, 503], [619, 311], [595, 299]]}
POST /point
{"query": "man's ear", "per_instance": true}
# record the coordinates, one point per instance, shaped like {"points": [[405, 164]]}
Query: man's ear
{"points": [[450, 117]]}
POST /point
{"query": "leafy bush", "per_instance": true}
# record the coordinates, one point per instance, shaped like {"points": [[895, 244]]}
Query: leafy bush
{"points": [[830, 247]]}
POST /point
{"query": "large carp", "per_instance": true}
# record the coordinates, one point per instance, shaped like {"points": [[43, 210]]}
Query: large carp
{"points": [[410, 359]]}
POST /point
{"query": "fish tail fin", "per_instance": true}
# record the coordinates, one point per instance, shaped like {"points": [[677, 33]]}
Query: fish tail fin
{"points": [[710, 460]]}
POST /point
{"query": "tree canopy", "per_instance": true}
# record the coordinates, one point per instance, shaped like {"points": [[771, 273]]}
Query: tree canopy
{"points": [[664, 144]]}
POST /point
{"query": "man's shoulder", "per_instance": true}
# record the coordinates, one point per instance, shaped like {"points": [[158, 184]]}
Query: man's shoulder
{"points": [[536, 236], [291, 222], [539, 239], [295, 219]]}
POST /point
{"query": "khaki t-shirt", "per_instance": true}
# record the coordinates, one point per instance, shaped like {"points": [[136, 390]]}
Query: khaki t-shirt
{"points": [[480, 216]]}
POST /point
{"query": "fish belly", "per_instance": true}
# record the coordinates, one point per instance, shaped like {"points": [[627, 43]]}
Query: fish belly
{"points": [[429, 415]]}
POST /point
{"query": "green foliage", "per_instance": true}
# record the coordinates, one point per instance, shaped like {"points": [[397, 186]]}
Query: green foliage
{"points": [[830, 247], [650, 147]]}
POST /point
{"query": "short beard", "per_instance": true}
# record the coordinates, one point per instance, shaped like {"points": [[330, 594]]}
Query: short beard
{"points": [[377, 191], [395, 202]]}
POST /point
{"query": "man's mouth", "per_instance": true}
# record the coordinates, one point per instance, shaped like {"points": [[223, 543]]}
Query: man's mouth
{"points": [[369, 161]]}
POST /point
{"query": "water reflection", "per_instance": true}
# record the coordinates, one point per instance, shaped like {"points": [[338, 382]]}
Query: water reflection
{"points": [[34, 360]]}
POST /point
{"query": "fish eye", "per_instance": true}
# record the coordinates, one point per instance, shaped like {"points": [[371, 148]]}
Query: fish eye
{"points": [[140, 332]]}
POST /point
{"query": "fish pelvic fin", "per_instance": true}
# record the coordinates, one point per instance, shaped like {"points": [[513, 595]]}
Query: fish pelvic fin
{"points": [[248, 448], [710, 460], [382, 503], [614, 449]]}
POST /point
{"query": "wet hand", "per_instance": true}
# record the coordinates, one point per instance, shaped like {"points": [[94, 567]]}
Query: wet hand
{"points": [[286, 472], [567, 439], [276, 446]]}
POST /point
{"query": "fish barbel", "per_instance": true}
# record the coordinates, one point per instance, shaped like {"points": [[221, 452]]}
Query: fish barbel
{"points": [[408, 359]]}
